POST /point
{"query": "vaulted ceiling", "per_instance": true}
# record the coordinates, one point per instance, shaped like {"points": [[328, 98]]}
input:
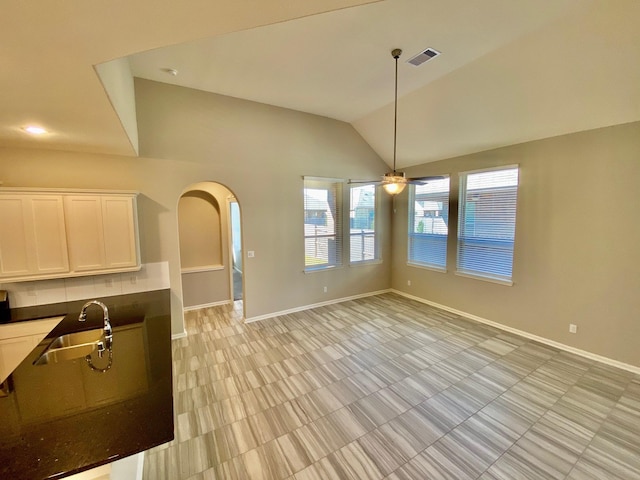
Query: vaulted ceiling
{"points": [[509, 71]]}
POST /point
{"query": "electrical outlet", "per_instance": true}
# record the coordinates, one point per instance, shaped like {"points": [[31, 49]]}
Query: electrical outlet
{"points": [[324, 289], [251, 254], [573, 328], [133, 279], [408, 283]]}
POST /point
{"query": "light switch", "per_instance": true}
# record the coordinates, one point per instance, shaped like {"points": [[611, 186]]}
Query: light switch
{"points": [[251, 254]]}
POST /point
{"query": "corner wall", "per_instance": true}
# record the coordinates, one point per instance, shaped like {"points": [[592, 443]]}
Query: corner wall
{"points": [[577, 246]]}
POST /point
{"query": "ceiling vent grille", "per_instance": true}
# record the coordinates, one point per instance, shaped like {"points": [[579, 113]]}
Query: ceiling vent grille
{"points": [[423, 57]]}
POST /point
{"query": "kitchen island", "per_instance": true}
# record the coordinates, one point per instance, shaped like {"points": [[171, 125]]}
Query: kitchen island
{"points": [[66, 416]]}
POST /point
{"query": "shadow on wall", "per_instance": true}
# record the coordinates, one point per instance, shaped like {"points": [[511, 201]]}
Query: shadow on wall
{"points": [[149, 212]]}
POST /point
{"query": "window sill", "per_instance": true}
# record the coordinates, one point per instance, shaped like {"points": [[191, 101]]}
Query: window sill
{"points": [[204, 268], [322, 269], [364, 263], [499, 281], [427, 267]]}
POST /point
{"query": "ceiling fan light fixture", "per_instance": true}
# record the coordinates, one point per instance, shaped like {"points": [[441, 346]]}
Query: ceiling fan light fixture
{"points": [[394, 183]]}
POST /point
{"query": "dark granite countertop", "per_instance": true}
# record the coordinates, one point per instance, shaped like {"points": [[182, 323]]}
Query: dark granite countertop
{"points": [[63, 418]]}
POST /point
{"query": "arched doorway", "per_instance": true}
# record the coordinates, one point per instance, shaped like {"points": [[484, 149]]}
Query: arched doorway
{"points": [[209, 227]]}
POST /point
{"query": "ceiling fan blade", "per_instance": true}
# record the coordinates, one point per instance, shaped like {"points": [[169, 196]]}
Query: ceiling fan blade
{"points": [[423, 180]]}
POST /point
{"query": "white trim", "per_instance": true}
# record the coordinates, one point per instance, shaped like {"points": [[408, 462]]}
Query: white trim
{"points": [[204, 268], [207, 305], [490, 169], [363, 263], [484, 278], [315, 305], [433, 268], [323, 269], [176, 336], [561, 346]]}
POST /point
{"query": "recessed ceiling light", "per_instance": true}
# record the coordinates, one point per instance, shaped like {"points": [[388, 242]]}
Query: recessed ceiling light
{"points": [[171, 71], [34, 130]]}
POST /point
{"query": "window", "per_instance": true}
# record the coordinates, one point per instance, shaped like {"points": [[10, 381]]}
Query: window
{"points": [[487, 223], [362, 224], [428, 224], [322, 223]]}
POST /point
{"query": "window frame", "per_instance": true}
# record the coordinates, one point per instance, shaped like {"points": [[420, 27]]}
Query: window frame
{"points": [[461, 242], [377, 258], [335, 184]]}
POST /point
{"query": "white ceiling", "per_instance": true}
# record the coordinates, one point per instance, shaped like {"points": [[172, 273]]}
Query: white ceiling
{"points": [[509, 71]]}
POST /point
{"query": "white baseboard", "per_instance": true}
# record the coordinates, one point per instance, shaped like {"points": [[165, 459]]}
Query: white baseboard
{"points": [[583, 353], [182, 334], [314, 305], [207, 305]]}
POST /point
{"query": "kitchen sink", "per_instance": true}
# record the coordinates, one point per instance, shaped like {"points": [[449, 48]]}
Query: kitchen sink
{"points": [[71, 346], [77, 338]]}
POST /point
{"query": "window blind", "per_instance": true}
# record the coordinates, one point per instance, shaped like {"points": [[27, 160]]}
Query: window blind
{"points": [[363, 244], [487, 222], [428, 224], [322, 223]]}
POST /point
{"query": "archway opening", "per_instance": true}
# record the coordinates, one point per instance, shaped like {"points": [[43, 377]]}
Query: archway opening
{"points": [[210, 240]]}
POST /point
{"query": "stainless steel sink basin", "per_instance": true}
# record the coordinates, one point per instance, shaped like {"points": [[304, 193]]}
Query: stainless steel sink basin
{"points": [[71, 346], [77, 338]]}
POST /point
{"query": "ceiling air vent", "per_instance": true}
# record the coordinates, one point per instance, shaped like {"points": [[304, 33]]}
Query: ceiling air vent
{"points": [[422, 57]]}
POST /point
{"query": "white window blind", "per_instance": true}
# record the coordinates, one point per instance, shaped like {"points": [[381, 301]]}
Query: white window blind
{"points": [[363, 241], [487, 222], [429, 224], [322, 223]]}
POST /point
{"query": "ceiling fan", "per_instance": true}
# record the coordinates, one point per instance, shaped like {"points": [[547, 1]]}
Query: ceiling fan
{"points": [[394, 182]]}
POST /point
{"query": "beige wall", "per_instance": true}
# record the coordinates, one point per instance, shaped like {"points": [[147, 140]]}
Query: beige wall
{"points": [[205, 288], [259, 152], [577, 247]]}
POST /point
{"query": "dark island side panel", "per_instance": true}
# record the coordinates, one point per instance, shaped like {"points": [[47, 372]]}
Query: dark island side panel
{"points": [[63, 418]]}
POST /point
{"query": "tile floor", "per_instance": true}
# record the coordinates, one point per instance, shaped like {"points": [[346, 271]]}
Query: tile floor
{"points": [[388, 388]]}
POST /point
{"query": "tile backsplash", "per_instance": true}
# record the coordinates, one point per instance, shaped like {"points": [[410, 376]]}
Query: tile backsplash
{"points": [[152, 276]]}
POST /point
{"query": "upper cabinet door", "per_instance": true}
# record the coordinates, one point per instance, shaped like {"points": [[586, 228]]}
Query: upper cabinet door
{"points": [[120, 236], [14, 236], [101, 232], [49, 234], [85, 232], [32, 236]]}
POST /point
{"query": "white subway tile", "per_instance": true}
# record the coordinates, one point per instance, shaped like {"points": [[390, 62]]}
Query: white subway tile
{"points": [[22, 294], [133, 282], [156, 273], [108, 285], [50, 291], [80, 288]]}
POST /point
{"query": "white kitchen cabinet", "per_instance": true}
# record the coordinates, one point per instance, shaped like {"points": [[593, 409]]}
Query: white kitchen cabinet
{"points": [[101, 232], [55, 234], [32, 237], [17, 340]]}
